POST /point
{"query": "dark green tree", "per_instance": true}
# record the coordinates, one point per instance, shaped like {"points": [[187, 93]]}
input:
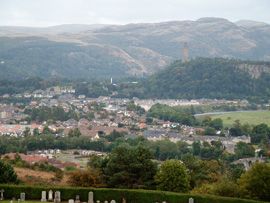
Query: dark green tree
{"points": [[131, 168], [173, 177], [7, 173], [243, 150], [255, 183]]}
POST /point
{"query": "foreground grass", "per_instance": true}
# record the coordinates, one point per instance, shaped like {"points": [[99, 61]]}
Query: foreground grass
{"points": [[252, 118]]}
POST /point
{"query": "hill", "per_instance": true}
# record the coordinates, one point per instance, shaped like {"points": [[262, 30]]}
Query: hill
{"points": [[124, 50], [71, 28], [210, 78]]}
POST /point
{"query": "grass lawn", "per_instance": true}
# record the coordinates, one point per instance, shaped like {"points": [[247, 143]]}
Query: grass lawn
{"points": [[253, 118]]}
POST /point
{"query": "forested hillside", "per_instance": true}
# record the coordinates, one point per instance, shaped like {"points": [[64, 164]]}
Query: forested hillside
{"points": [[206, 78]]}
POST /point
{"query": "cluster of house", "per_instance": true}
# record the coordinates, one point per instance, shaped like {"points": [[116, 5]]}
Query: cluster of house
{"points": [[42, 93], [18, 130], [227, 142]]}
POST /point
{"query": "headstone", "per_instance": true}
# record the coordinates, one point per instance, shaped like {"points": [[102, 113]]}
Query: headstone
{"points": [[22, 196], [106, 202], [77, 199], [98, 201], [2, 194], [71, 201], [90, 197], [113, 201], [19, 201], [11, 201], [50, 198], [191, 200], [43, 196], [57, 197]]}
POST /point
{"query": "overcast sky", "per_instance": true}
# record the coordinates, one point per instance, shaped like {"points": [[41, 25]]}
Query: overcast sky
{"points": [[40, 13]]}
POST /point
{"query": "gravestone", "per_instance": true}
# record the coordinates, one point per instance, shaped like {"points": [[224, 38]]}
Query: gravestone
{"points": [[2, 194], [11, 201], [90, 197], [113, 201], [22, 196], [77, 199], [57, 197], [43, 196], [106, 202], [191, 200], [19, 201], [50, 198], [71, 201], [98, 201]]}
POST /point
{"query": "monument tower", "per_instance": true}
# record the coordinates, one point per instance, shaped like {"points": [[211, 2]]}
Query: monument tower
{"points": [[185, 57]]}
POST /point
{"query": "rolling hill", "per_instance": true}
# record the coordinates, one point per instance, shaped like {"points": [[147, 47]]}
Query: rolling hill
{"points": [[125, 50]]}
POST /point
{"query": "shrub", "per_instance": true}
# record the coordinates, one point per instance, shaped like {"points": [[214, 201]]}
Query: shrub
{"points": [[102, 194]]}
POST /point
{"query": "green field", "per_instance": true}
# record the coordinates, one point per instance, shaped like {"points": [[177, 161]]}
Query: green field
{"points": [[253, 118]]}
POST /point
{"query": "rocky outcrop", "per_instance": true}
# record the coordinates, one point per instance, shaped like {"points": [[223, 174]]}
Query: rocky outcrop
{"points": [[255, 71]]}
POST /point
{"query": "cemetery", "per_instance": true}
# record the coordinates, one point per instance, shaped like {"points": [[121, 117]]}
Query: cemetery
{"points": [[34, 194]]}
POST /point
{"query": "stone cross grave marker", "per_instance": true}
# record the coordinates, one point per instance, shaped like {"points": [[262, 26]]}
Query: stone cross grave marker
{"points": [[113, 201], [22, 196], [50, 198], [90, 197], [2, 194], [191, 200], [77, 199], [43, 196], [71, 201]]}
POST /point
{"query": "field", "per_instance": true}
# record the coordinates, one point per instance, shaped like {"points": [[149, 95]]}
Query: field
{"points": [[253, 118]]}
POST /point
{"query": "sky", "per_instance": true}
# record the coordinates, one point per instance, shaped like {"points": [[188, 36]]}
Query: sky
{"points": [[43, 13]]}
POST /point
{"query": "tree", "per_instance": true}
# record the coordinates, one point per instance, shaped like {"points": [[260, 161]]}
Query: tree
{"points": [[26, 132], [243, 150], [255, 183], [217, 123], [206, 120], [88, 178], [131, 168], [260, 133], [7, 173], [173, 177], [196, 146], [236, 130]]}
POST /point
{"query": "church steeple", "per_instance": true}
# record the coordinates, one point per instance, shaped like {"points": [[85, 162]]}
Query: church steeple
{"points": [[185, 57]]}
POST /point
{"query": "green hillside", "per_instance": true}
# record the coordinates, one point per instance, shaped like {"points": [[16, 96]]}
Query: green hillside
{"points": [[210, 78]]}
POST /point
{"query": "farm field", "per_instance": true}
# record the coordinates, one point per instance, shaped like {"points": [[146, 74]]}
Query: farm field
{"points": [[253, 118]]}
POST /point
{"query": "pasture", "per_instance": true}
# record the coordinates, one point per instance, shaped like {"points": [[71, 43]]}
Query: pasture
{"points": [[253, 118]]}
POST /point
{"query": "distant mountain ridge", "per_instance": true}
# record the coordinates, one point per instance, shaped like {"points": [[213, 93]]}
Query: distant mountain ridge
{"points": [[57, 29], [127, 50]]}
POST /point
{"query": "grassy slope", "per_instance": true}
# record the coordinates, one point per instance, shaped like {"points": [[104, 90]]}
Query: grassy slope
{"points": [[253, 118]]}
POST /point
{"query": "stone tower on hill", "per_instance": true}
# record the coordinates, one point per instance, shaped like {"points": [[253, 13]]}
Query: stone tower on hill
{"points": [[185, 57]]}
